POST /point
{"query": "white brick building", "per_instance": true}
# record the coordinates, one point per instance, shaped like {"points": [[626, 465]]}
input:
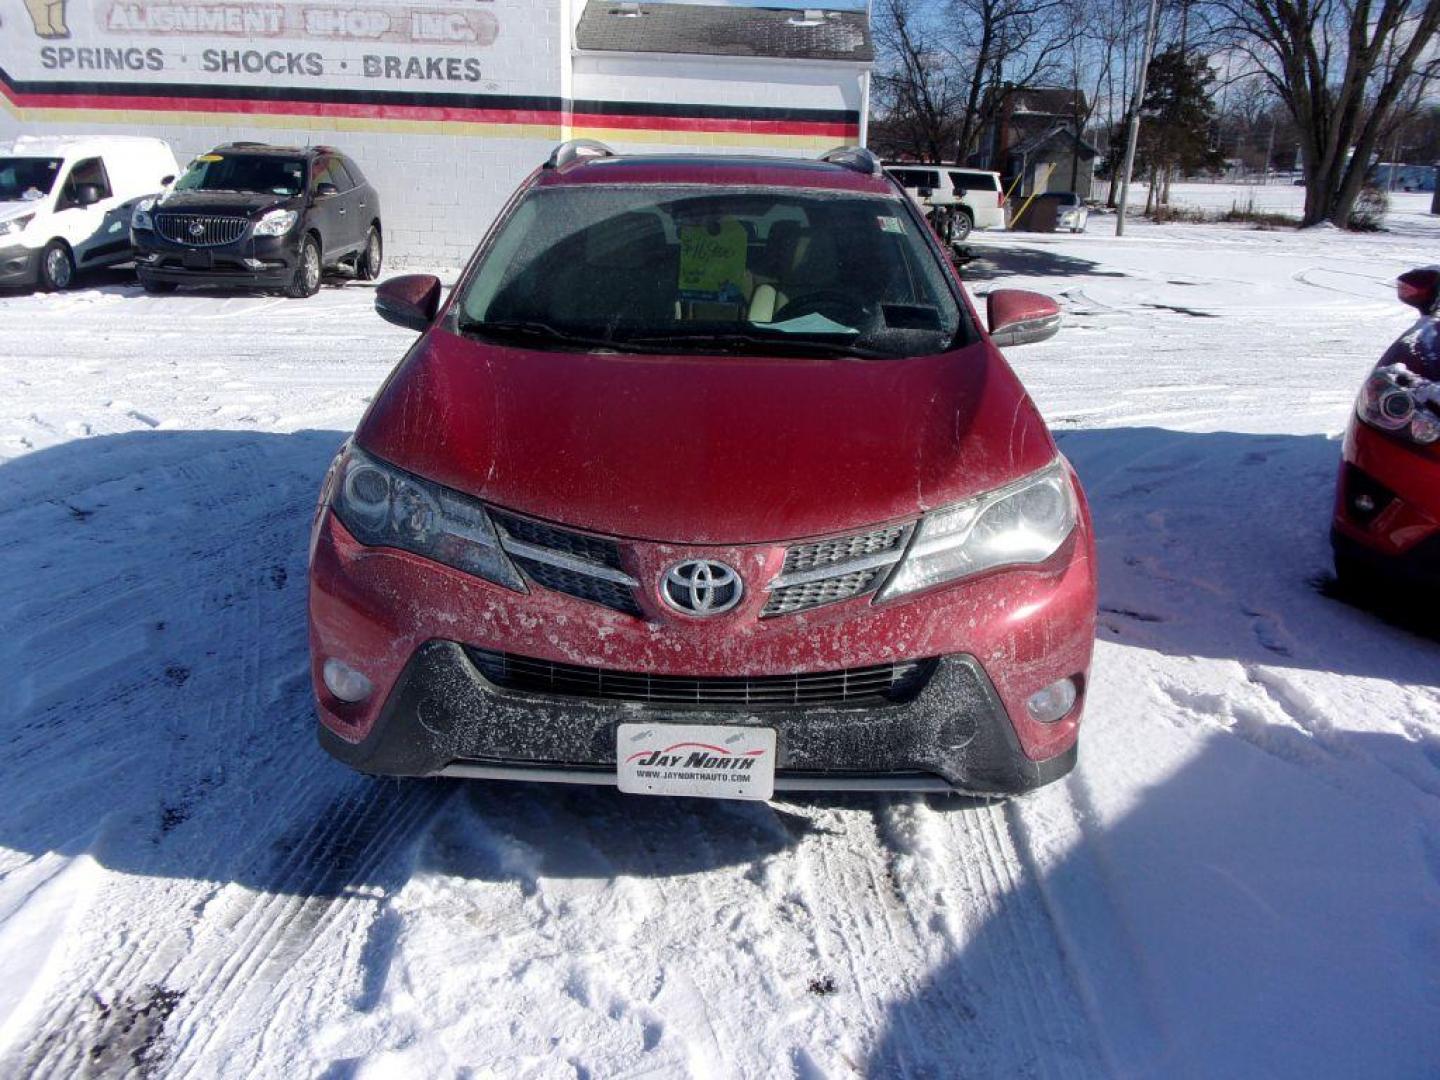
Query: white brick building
{"points": [[446, 104]]}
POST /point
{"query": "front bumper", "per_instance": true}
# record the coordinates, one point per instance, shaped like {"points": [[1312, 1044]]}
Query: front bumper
{"points": [[19, 265], [162, 260], [383, 612], [1387, 505], [444, 717]]}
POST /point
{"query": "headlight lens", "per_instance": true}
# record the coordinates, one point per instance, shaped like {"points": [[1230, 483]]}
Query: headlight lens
{"points": [[1022, 523], [276, 223], [1396, 400], [140, 219], [385, 507], [15, 224]]}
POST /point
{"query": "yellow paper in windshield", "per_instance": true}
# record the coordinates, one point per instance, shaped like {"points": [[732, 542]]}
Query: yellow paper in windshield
{"points": [[712, 261], [209, 157]]}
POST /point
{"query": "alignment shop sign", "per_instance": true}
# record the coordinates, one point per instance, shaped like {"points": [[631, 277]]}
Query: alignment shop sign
{"points": [[351, 51], [703, 760]]}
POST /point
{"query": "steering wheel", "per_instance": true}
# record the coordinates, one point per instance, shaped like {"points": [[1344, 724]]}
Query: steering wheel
{"points": [[839, 305]]}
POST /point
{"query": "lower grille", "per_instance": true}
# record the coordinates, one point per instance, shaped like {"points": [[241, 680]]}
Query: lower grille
{"points": [[200, 230], [879, 684]]}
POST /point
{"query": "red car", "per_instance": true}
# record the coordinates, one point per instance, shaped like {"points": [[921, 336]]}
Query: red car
{"points": [[705, 479], [1387, 506]]}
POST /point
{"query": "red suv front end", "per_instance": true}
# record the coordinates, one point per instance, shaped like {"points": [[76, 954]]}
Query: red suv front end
{"points": [[1387, 504], [699, 451]]}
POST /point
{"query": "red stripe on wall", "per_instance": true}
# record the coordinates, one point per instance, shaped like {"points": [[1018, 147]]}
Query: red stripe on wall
{"points": [[442, 113]]}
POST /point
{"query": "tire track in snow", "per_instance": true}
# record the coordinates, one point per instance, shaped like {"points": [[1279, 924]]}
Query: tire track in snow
{"points": [[236, 917]]}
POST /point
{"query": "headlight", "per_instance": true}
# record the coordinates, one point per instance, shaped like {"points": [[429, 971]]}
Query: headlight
{"points": [[1022, 523], [1396, 400], [276, 223], [140, 219], [15, 225], [385, 507]]}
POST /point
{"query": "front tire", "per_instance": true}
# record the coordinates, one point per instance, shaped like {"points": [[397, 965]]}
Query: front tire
{"points": [[157, 288], [368, 266], [57, 267], [306, 281]]}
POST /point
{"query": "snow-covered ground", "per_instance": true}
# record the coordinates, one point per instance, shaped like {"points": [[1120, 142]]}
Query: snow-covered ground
{"points": [[1242, 878], [1278, 196]]}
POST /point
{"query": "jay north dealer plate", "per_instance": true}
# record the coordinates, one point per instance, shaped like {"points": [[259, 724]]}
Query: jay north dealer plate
{"points": [[707, 761]]}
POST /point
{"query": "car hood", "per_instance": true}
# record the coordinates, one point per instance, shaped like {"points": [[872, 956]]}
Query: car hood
{"points": [[18, 207], [241, 203], [712, 449]]}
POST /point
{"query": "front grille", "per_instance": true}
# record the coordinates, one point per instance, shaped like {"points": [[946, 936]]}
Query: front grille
{"points": [[879, 684], [594, 548], [827, 552], [827, 571], [582, 586], [211, 231], [577, 564], [788, 598]]}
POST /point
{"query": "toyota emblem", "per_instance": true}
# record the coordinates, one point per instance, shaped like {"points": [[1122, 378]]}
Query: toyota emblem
{"points": [[700, 587], [197, 228]]}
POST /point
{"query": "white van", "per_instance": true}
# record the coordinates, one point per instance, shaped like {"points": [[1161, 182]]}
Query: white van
{"points": [[65, 203], [956, 200]]}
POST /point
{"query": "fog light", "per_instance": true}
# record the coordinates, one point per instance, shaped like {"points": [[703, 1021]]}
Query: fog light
{"points": [[1364, 503], [255, 264], [345, 682], [1053, 702]]}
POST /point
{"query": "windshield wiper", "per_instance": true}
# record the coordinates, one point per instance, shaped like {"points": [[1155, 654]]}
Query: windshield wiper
{"points": [[533, 329], [767, 344]]}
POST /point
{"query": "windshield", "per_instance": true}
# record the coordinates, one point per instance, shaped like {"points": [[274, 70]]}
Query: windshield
{"points": [[24, 179], [262, 174], [709, 269]]}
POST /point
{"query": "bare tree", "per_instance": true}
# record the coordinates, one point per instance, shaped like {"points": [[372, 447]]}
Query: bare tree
{"points": [[1005, 45], [1342, 68], [918, 86]]}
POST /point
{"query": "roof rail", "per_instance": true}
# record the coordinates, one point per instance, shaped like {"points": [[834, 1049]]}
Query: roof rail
{"points": [[856, 158], [574, 150]]}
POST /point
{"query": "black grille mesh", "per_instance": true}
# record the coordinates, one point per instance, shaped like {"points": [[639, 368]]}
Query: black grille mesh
{"points": [[790, 598], [593, 548], [609, 594], [828, 552], [213, 230], [879, 684]]}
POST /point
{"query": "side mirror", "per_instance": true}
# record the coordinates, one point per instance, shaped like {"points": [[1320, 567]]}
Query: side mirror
{"points": [[1419, 288], [167, 179], [924, 192], [409, 301], [325, 190], [87, 194], [1020, 317]]}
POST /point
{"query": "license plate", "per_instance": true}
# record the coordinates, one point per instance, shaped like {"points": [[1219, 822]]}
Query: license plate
{"points": [[198, 260], [705, 761]]}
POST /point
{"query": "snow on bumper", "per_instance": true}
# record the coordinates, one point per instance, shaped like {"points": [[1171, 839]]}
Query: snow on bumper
{"points": [[403, 621]]}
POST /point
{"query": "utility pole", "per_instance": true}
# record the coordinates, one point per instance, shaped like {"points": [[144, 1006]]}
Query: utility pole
{"points": [[1132, 136]]}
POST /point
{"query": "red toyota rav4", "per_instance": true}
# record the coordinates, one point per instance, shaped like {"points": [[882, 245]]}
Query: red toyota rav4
{"points": [[1387, 506], [705, 479]]}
